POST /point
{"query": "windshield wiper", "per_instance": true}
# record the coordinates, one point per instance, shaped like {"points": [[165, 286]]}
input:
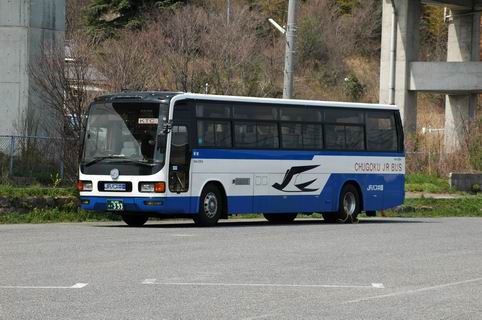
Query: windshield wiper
{"points": [[111, 156], [141, 162], [120, 157]]}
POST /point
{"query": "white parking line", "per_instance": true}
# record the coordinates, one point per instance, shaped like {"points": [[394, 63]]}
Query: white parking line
{"points": [[263, 316], [75, 286], [267, 285], [407, 292]]}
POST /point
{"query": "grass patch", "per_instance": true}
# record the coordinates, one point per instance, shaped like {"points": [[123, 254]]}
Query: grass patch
{"points": [[470, 206], [12, 191], [55, 216], [425, 183]]}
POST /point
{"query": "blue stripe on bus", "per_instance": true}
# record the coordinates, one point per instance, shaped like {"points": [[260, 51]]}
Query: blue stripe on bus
{"points": [[281, 154], [391, 196]]}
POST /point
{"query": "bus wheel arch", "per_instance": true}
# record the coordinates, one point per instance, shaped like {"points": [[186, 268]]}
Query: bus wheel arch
{"points": [[211, 205], [224, 196], [350, 199], [358, 188]]}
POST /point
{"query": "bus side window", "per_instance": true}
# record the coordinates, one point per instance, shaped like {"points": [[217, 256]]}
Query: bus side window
{"points": [[381, 131], [355, 138], [205, 133], [303, 114], [345, 137], [256, 135], [214, 133], [267, 136], [312, 137], [255, 112], [335, 137], [343, 116], [213, 110], [292, 137], [245, 134]]}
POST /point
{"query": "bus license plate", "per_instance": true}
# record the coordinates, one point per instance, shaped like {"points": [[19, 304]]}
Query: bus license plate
{"points": [[114, 187], [115, 205]]}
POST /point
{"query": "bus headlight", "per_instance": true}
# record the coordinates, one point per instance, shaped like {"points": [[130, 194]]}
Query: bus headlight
{"points": [[157, 187], [84, 185]]}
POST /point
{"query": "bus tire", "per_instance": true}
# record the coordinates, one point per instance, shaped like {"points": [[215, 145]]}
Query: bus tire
{"points": [[134, 220], [278, 218], [349, 206], [210, 207]]}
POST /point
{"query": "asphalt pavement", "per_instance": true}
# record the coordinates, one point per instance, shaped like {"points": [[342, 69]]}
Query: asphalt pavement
{"points": [[381, 268]]}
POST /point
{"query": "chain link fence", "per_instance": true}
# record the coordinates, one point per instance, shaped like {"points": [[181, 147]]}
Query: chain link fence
{"points": [[34, 159], [438, 163]]}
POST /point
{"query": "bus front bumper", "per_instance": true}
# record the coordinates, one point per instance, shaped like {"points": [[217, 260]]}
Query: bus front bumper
{"points": [[159, 205]]}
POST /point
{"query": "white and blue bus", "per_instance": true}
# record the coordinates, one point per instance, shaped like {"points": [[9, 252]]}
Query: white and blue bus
{"points": [[165, 154]]}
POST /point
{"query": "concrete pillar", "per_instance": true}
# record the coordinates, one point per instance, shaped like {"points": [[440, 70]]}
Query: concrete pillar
{"points": [[408, 14], [24, 26], [463, 45]]}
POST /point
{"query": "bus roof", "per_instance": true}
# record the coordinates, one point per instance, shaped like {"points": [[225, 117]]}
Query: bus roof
{"points": [[146, 96], [175, 96], [196, 96]]}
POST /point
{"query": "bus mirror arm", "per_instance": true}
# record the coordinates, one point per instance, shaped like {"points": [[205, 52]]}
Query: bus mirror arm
{"points": [[167, 127]]}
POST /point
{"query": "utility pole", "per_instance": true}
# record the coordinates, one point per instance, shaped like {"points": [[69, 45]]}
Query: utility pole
{"points": [[290, 50]]}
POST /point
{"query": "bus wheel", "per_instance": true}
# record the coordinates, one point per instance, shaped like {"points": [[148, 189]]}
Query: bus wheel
{"points": [[210, 207], [134, 220], [280, 218], [349, 206]]}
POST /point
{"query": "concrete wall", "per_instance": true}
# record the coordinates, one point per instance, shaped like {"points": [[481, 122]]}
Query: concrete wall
{"points": [[460, 77], [465, 181], [463, 46], [14, 60], [446, 77], [407, 50], [24, 26]]}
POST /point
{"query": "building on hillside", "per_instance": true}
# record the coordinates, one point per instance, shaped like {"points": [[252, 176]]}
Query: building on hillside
{"points": [[25, 27]]}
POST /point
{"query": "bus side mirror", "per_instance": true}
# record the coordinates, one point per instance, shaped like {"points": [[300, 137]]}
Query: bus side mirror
{"points": [[167, 127]]}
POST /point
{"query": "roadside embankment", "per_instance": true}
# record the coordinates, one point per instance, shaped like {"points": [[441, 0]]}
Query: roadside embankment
{"points": [[457, 205], [42, 205]]}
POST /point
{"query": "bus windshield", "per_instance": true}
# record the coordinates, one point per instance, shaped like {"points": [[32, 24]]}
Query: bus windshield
{"points": [[127, 135]]}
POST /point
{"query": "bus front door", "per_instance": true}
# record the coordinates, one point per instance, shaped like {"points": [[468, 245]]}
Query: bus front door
{"points": [[180, 158]]}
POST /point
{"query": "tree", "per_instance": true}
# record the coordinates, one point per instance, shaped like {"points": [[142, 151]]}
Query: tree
{"points": [[237, 53], [183, 46], [73, 16], [229, 57], [126, 62], [104, 17], [66, 90], [434, 34], [276, 9], [346, 6]]}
